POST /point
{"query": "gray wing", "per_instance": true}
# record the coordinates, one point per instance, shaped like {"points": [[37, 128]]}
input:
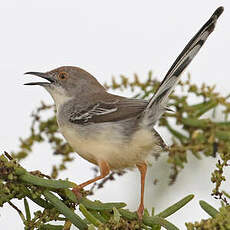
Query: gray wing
{"points": [[109, 111], [157, 104]]}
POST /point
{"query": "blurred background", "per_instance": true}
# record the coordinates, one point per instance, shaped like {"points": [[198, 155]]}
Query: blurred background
{"points": [[108, 38]]}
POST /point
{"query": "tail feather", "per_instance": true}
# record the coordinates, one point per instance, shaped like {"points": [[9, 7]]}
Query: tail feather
{"points": [[157, 104]]}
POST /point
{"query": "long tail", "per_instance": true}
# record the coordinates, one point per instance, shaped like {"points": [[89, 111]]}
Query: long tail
{"points": [[157, 104]]}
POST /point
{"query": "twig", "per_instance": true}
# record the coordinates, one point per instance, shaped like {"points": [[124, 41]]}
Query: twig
{"points": [[18, 211], [8, 155], [38, 173]]}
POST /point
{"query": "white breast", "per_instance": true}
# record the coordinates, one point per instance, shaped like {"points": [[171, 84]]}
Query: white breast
{"points": [[108, 144]]}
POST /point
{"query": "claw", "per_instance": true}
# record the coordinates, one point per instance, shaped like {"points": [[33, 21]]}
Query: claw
{"points": [[77, 191], [140, 212]]}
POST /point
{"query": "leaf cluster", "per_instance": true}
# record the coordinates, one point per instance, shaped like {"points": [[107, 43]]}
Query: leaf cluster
{"points": [[219, 219], [57, 202]]}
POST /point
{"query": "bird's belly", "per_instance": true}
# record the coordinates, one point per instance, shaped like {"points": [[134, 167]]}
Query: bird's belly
{"points": [[109, 145]]}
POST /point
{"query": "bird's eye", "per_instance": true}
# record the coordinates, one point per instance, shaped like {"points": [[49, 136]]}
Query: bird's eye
{"points": [[62, 75]]}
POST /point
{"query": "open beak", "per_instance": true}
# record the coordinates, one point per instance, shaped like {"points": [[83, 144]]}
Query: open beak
{"points": [[42, 75]]}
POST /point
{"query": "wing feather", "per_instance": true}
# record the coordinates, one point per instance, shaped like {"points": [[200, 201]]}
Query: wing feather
{"points": [[109, 111]]}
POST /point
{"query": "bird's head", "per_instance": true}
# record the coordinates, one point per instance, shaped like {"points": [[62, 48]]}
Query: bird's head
{"points": [[67, 82]]}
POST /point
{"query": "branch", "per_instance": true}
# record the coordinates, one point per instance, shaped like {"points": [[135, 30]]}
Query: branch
{"points": [[56, 198]]}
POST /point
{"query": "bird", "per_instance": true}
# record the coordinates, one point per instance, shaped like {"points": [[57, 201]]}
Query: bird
{"points": [[108, 130]]}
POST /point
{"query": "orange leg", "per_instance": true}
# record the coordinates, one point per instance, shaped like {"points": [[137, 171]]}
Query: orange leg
{"points": [[104, 170], [142, 168]]}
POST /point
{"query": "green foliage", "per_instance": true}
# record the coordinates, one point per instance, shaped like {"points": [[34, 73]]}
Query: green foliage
{"points": [[193, 128], [220, 219], [57, 200]]}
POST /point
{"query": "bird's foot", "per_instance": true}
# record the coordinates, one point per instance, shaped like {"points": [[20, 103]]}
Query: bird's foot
{"points": [[77, 191], [140, 212]]}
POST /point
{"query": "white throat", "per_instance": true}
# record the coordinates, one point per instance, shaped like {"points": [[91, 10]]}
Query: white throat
{"points": [[59, 97]]}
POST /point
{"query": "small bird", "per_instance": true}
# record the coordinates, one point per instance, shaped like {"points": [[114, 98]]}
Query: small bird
{"points": [[108, 130]]}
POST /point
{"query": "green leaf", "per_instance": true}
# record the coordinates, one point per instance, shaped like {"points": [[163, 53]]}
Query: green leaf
{"points": [[70, 195], [91, 218], [48, 183], [205, 106], [39, 201], [223, 135], [20, 171], [226, 194], [146, 212], [177, 134], [208, 208], [223, 123], [97, 205], [51, 227], [67, 212], [173, 208], [105, 214], [91, 227], [156, 227], [98, 216], [128, 215], [27, 210], [116, 215], [153, 211], [196, 123], [152, 221]]}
